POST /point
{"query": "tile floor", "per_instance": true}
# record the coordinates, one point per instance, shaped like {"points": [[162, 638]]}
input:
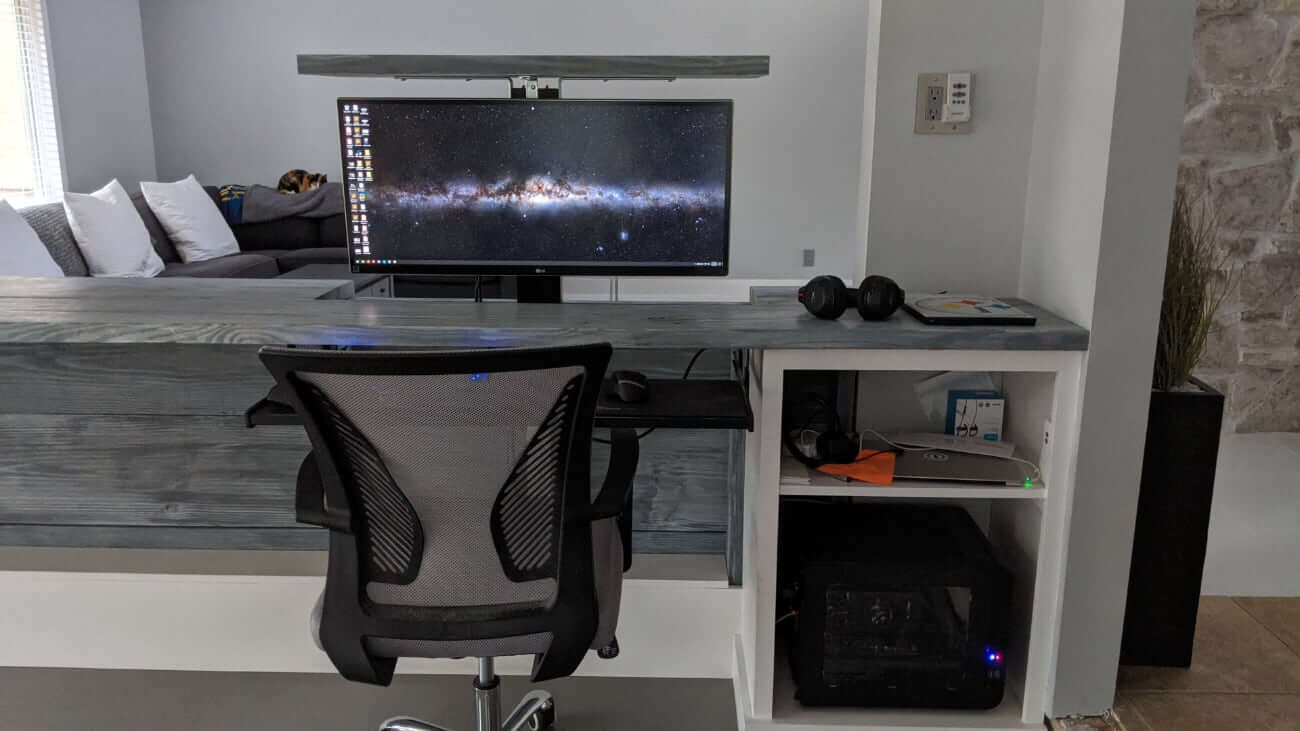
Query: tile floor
{"points": [[60, 699], [1254, 539], [1245, 673]]}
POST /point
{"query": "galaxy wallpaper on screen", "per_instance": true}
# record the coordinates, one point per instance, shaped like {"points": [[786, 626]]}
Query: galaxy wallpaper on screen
{"points": [[549, 181]]}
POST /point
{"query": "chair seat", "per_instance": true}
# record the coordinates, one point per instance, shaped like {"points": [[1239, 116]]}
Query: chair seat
{"points": [[607, 555]]}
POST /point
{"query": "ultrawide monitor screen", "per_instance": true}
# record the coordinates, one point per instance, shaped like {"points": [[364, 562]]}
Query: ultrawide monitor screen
{"points": [[537, 186]]}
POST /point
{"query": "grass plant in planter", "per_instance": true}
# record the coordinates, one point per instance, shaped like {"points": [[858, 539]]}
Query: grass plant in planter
{"points": [[1182, 446]]}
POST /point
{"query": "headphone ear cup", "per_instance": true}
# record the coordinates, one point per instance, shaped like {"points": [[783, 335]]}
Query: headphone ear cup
{"points": [[825, 296], [836, 447], [878, 297]]}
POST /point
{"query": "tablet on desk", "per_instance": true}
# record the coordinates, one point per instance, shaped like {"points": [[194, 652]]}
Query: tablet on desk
{"points": [[956, 309]]}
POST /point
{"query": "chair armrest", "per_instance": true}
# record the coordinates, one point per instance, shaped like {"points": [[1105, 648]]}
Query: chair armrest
{"points": [[310, 503], [615, 497]]}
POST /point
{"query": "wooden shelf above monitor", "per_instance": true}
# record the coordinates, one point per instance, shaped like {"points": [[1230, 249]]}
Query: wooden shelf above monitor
{"points": [[407, 66]]}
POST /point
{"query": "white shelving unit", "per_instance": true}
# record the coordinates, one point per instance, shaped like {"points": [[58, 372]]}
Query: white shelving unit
{"points": [[1027, 527]]}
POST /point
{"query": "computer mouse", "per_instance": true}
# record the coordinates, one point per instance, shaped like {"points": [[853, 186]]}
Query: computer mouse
{"points": [[630, 386]]}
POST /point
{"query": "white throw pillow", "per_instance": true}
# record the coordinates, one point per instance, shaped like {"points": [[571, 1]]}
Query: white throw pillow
{"points": [[192, 221], [110, 234], [21, 252]]}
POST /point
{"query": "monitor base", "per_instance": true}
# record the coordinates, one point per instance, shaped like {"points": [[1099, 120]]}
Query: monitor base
{"points": [[538, 290]]}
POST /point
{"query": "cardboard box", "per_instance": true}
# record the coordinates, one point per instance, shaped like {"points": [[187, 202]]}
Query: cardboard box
{"points": [[975, 414]]}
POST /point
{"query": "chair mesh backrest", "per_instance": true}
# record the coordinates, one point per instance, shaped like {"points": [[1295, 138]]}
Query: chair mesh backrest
{"points": [[391, 537], [455, 481], [526, 518]]}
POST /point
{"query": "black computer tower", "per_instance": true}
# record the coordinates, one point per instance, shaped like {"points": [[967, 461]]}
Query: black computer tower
{"points": [[889, 605]]}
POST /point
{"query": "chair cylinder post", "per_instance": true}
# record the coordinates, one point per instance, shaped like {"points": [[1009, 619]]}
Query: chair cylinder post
{"points": [[487, 697]]}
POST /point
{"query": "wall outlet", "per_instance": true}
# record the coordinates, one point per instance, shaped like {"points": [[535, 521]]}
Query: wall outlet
{"points": [[1045, 449], [934, 103], [809, 257], [944, 103]]}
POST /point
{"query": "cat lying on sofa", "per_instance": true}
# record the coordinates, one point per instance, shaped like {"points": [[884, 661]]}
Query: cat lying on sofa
{"points": [[300, 181]]}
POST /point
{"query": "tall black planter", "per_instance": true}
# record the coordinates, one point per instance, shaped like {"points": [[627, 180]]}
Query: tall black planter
{"points": [[1173, 519]]}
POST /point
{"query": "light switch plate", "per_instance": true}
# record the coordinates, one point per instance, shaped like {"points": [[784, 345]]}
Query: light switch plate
{"points": [[932, 92]]}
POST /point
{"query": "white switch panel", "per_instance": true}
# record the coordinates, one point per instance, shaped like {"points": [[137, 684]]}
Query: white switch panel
{"points": [[944, 103], [957, 106]]}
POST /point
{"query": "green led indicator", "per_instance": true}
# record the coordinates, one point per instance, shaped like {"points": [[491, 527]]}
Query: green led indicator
{"points": [[1029, 483]]}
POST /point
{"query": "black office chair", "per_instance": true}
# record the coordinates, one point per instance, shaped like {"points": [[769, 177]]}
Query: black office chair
{"points": [[456, 489]]}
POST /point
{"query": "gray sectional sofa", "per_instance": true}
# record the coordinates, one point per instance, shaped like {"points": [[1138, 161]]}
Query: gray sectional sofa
{"points": [[266, 249]]}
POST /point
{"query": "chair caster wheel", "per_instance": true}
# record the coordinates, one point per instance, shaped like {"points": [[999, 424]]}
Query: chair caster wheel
{"points": [[608, 652], [543, 719]]}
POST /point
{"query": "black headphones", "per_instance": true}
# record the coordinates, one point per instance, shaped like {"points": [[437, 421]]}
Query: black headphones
{"points": [[825, 296], [833, 447]]}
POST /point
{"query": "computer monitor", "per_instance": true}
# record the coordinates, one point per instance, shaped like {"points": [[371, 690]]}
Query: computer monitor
{"points": [[533, 186]]}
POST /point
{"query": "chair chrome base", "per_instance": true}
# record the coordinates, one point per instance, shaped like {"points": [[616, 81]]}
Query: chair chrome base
{"points": [[535, 712]]}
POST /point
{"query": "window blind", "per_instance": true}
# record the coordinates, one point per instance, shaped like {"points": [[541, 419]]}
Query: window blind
{"points": [[30, 169]]}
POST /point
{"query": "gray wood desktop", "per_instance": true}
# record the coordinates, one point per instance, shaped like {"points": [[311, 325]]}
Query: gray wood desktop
{"points": [[223, 312], [121, 402], [363, 285]]}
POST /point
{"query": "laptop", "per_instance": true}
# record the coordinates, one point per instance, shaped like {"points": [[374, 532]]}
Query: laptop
{"points": [[940, 466], [946, 309]]}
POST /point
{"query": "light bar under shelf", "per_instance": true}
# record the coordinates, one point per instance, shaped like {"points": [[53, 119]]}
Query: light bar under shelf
{"points": [[417, 66]]}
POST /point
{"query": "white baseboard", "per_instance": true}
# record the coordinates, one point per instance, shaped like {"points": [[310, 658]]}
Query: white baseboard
{"points": [[667, 628]]}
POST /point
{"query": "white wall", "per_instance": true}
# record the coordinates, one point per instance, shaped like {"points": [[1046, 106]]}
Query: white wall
{"points": [[947, 212], [259, 623], [1105, 155], [1077, 74], [871, 80], [97, 58], [229, 106]]}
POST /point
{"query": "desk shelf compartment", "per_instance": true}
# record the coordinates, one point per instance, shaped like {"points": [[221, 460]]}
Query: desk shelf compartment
{"points": [[886, 402], [798, 480], [676, 403], [1012, 527]]}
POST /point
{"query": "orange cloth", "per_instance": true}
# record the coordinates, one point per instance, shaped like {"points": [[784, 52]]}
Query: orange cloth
{"points": [[872, 466]]}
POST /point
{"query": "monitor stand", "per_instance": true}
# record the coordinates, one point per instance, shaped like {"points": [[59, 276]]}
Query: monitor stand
{"points": [[543, 289], [538, 290]]}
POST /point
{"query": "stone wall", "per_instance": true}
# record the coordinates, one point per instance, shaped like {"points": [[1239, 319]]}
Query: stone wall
{"points": [[1241, 142]]}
